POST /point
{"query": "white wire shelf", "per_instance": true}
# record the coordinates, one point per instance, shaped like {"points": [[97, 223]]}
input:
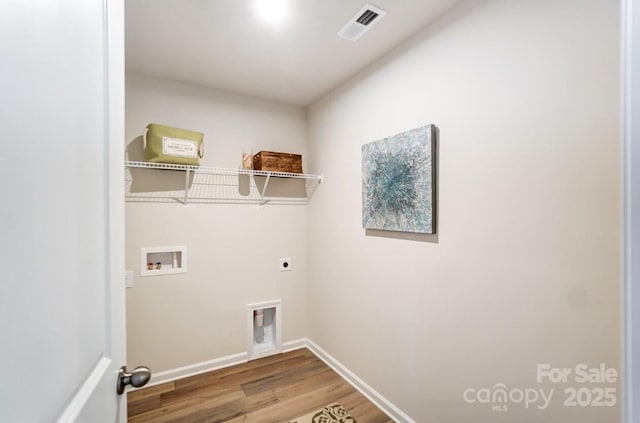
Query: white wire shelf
{"points": [[149, 182]]}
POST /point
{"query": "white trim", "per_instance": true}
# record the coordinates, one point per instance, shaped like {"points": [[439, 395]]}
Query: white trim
{"points": [[211, 365], [88, 388], [195, 369], [630, 105], [296, 344], [116, 344], [372, 395]]}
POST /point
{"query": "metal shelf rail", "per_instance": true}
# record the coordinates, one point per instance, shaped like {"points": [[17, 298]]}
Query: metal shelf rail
{"points": [[149, 182]]}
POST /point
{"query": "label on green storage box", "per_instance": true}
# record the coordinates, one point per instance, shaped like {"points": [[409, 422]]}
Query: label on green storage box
{"points": [[179, 148]]}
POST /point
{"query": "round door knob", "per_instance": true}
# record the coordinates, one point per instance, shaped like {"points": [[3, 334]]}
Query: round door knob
{"points": [[139, 377]]}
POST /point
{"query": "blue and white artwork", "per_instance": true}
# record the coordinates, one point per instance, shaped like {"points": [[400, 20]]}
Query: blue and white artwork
{"points": [[397, 182]]}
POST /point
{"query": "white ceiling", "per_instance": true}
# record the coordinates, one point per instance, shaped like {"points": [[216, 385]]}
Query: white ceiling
{"points": [[224, 44]]}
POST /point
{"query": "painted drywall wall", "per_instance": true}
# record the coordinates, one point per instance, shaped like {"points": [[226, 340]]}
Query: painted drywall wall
{"points": [[524, 269], [233, 249]]}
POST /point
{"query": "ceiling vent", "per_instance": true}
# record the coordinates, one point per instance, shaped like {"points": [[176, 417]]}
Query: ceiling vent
{"points": [[361, 22]]}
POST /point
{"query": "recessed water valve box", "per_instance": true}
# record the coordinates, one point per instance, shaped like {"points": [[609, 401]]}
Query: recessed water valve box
{"points": [[264, 329], [156, 261]]}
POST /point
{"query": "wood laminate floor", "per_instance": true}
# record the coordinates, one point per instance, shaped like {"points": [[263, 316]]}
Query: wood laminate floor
{"points": [[269, 390]]}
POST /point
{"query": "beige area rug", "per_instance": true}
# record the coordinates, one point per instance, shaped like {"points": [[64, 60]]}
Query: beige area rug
{"points": [[332, 413]]}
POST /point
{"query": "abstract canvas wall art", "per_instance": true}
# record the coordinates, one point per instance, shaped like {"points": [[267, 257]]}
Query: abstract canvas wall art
{"points": [[398, 182]]}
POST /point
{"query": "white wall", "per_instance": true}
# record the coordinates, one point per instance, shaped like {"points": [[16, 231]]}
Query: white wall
{"points": [[233, 250], [525, 266]]}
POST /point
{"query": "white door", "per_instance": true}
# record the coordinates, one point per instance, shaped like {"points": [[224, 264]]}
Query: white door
{"points": [[61, 210]]}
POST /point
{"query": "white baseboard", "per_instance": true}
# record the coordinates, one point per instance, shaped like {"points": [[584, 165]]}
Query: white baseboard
{"points": [[294, 345], [372, 395], [195, 369], [210, 365], [234, 359]]}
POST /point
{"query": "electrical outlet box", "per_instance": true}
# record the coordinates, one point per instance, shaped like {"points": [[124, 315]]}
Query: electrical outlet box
{"points": [[285, 264]]}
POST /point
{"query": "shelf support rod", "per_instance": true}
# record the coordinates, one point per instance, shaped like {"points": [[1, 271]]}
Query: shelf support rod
{"points": [[264, 189], [186, 185]]}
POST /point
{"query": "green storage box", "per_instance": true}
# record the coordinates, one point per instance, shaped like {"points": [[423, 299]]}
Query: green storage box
{"points": [[165, 144]]}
